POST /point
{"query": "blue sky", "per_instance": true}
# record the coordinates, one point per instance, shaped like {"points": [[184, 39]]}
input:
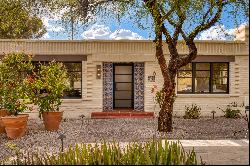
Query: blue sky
{"points": [[127, 29]]}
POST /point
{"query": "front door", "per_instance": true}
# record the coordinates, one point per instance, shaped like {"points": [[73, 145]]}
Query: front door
{"points": [[123, 86]]}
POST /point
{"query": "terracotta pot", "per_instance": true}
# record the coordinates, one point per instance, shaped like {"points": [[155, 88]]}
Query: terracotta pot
{"points": [[52, 120], [15, 126], [3, 112]]}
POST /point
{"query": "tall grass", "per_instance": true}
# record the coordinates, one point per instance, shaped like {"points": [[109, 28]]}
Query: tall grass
{"points": [[149, 153]]}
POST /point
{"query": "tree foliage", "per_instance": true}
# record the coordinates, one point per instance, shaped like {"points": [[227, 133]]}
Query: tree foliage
{"points": [[47, 86], [13, 82], [16, 22], [89, 11]]}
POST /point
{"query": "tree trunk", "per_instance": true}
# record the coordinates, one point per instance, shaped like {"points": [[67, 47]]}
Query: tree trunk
{"points": [[165, 119], [168, 73], [166, 112]]}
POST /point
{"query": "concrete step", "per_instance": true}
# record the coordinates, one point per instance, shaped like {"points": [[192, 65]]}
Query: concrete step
{"points": [[115, 114]]}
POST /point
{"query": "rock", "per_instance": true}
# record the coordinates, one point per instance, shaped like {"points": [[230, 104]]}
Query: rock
{"points": [[37, 139]]}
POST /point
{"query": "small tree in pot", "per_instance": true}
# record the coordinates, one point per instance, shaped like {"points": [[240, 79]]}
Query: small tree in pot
{"points": [[3, 111], [13, 82], [48, 86]]}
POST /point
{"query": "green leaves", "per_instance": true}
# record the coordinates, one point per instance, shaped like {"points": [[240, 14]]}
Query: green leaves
{"points": [[52, 78], [148, 153], [192, 112], [14, 81], [18, 82], [16, 22]]}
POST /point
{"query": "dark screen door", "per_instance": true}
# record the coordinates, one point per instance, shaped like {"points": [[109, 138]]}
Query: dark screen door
{"points": [[123, 86]]}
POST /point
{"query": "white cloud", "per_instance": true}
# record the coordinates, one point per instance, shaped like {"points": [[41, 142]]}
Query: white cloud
{"points": [[50, 27], [243, 24], [97, 32], [56, 29], [125, 34], [217, 32], [104, 32]]}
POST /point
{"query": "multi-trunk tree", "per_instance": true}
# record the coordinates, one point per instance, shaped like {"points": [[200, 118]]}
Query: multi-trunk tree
{"points": [[186, 19]]}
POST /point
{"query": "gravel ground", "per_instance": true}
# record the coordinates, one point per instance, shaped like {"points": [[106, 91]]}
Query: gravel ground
{"points": [[91, 130]]}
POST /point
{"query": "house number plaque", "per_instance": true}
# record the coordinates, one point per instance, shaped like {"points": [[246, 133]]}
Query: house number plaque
{"points": [[152, 77]]}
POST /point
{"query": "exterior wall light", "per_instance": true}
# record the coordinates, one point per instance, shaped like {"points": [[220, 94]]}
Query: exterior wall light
{"points": [[98, 72]]}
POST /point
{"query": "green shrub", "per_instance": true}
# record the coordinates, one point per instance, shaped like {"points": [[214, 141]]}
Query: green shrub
{"points": [[149, 153], [53, 80], [231, 113], [231, 110], [159, 97], [14, 82], [192, 112]]}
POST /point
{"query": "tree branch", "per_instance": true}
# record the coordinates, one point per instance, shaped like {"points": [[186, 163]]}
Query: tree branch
{"points": [[184, 60], [210, 23], [178, 26], [159, 29]]}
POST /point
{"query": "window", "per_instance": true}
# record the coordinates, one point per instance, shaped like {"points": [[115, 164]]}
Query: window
{"points": [[75, 79], [206, 77], [185, 79], [74, 70], [202, 77], [220, 77]]}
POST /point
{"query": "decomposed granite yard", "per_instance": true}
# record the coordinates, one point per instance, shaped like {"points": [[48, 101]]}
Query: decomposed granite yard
{"points": [[124, 130]]}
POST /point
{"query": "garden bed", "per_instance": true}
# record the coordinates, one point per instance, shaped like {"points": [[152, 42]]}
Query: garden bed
{"points": [[124, 130]]}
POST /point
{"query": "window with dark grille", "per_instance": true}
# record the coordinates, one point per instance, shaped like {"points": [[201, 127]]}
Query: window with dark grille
{"points": [[184, 82], [202, 77], [220, 77], [199, 77], [74, 70]]}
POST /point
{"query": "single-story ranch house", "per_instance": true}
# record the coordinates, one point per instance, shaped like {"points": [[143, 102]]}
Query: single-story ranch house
{"points": [[108, 75]]}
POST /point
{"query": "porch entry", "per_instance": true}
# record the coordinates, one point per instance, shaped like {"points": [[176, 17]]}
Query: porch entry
{"points": [[123, 86]]}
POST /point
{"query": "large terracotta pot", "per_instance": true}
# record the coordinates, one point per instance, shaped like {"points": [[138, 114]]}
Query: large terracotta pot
{"points": [[15, 126], [3, 112], [52, 120]]}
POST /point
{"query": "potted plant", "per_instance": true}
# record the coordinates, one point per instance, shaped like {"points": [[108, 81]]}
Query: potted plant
{"points": [[3, 111], [13, 92], [50, 81]]}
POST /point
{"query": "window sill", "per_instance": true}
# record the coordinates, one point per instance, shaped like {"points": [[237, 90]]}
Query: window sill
{"points": [[72, 100], [204, 95]]}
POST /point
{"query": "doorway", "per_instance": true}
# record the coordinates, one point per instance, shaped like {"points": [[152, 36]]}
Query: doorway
{"points": [[123, 79]]}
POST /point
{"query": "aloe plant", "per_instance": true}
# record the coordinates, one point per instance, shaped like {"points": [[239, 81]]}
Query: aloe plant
{"points": [[148, 153]]}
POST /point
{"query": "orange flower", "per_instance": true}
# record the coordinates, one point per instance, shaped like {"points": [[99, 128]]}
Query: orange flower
{"points": [[154, 89]]}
